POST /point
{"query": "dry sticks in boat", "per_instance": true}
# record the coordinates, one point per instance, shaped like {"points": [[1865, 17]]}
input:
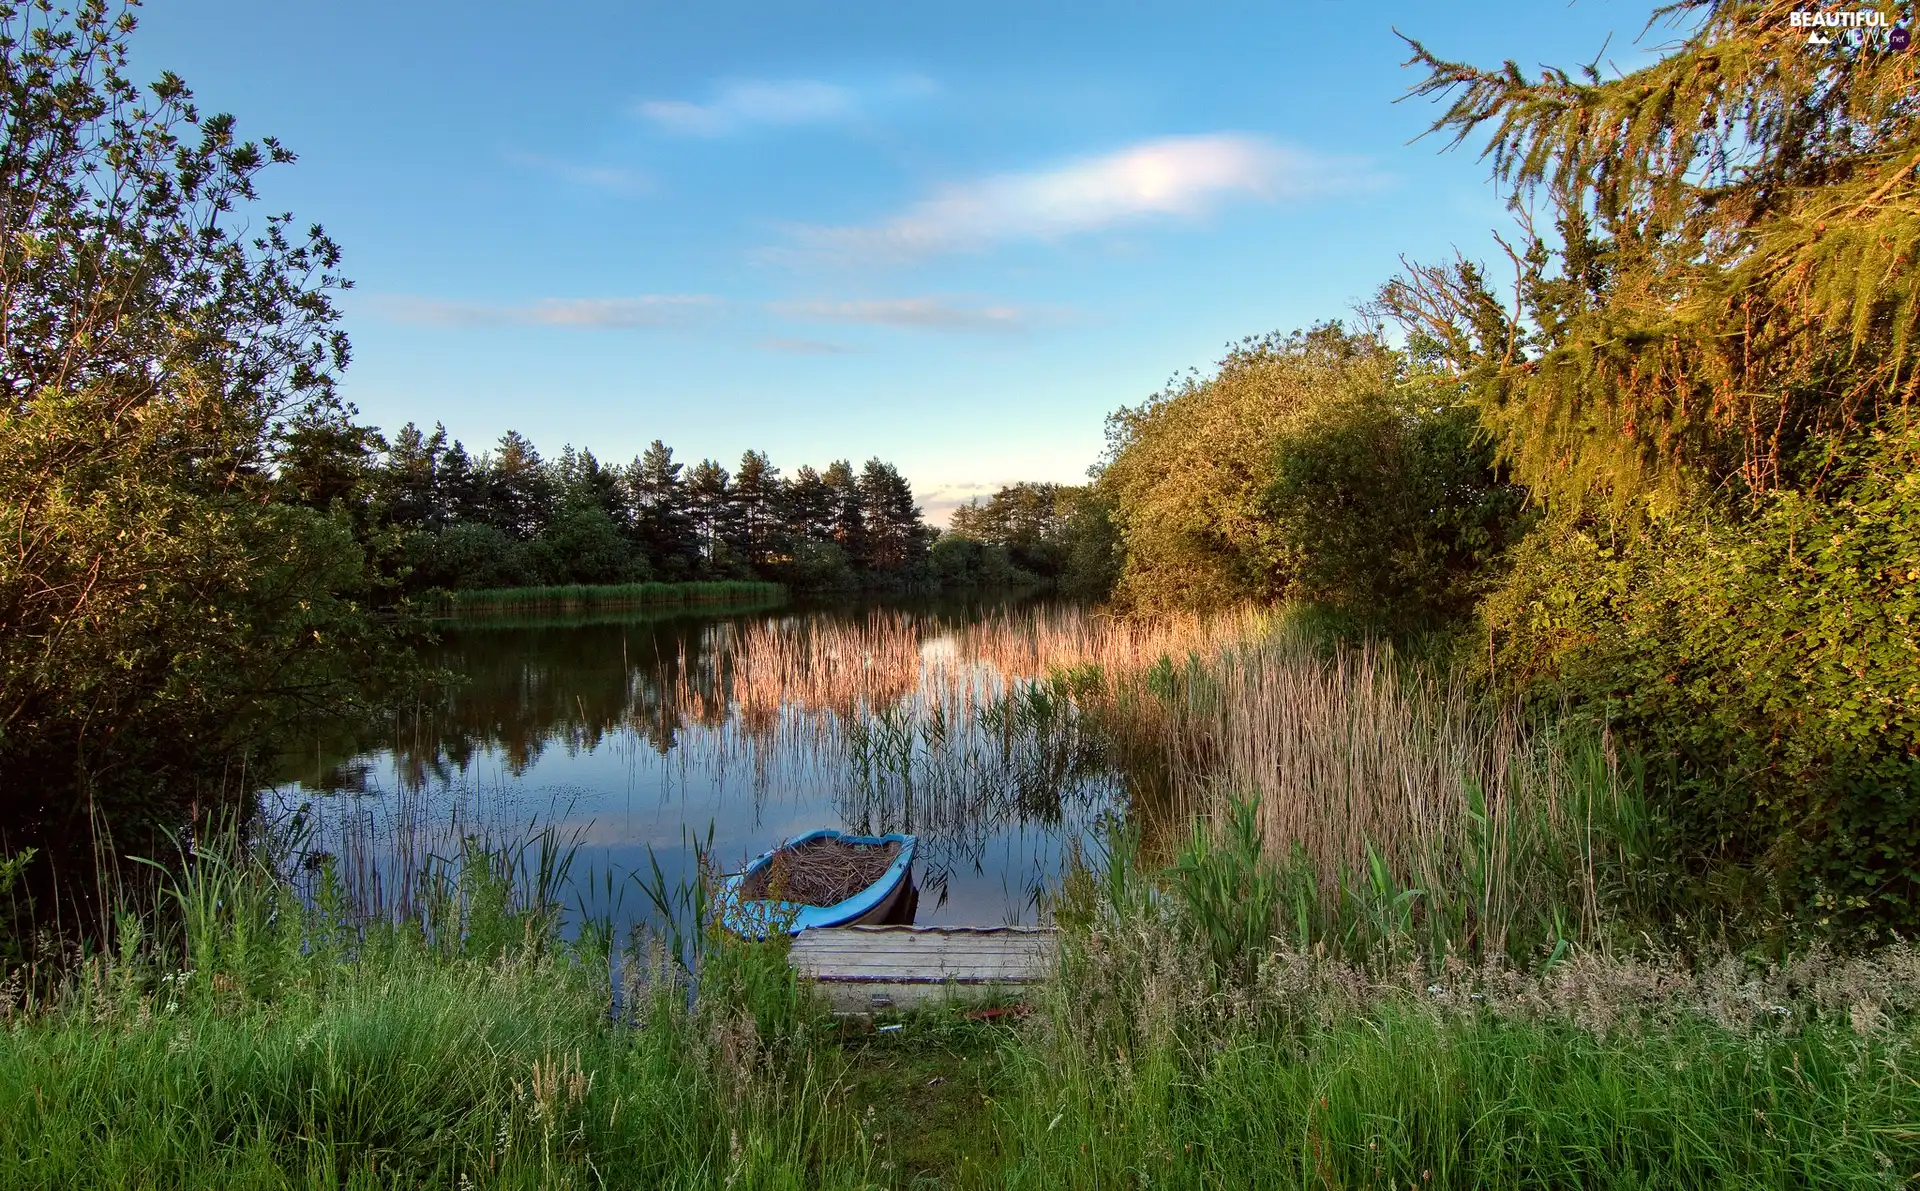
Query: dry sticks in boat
{"points": [[819, 872]]}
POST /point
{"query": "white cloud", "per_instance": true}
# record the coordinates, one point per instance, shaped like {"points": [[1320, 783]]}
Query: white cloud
{"points": [[651, 310], [1174, 176], [930, 314], [758, 103], [749, 103], [600, 177], [938, 501]]}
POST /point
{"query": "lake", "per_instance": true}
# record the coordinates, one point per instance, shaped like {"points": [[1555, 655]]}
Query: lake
{"points": [[634, 736]]}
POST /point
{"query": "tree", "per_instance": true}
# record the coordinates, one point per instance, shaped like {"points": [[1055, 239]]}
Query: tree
{"points": [[411, 478], [1392, 506], [461, 492], [1029, 521], [1708, 378], [1095, 554], [756, 496], [1726, 290], [581, 482], [166, 618], [844, 523], [1189, 471], [894, 537], [808, 507], [712, 514], [519, 487], [661, 523]]}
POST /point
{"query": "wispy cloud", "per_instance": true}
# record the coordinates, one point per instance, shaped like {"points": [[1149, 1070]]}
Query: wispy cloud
{"points": [[751, 103], [927, 314], [615, 179], [1174, 176], [937, 502], [804, 347], [616, 314]]}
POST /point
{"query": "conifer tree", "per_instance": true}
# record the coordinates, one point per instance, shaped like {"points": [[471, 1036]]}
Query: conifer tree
{"points": [[657, 498], [1724, 288]]}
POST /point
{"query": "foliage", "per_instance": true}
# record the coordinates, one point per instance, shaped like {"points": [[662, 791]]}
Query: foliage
{"points": [[1095, 553], [959, 561], [174, 607], [1770, 660], [1585, 1068], [1321, 467], [511, 518], [1707, 375], [1391, 504], [485, 602], [1732, 281], [276, 1040], [1189, 470], [1053, 534]]}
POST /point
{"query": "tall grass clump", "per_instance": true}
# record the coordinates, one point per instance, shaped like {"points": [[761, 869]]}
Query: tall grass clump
{"points": [[1149, 1066], [583, 596], [1399, 806], [255, 1037]]}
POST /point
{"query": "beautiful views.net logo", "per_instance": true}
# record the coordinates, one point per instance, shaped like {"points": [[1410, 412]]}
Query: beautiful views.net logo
{"points": [[1858, 27]]}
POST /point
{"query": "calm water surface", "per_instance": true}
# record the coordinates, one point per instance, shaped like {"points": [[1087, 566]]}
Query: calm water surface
{"points": [[633, 737]]}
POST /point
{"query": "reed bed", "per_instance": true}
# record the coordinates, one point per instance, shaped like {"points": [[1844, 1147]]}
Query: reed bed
{"points": [[1447, 811], [1384, 790]]}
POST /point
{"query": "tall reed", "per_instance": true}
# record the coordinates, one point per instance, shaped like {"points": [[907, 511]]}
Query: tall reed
{"points": [[1405, 793]]}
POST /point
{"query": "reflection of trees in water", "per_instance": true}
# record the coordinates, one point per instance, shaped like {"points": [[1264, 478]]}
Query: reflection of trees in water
{"points": [[882, 713]]}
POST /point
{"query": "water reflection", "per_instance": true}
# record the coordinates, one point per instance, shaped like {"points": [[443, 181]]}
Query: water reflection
{"points": [[649, 734]]}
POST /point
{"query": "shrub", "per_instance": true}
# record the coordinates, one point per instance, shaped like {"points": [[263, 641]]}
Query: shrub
{"points": [[1768, 658]]}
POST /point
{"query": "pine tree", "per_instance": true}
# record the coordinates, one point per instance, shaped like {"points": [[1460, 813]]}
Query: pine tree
{"points": [[755, 497], [411, 476], [895, 536], [808, 507], [1727, 291], [657, 498], [461, 493], [844, 525], [518, 486], [711, 512]]}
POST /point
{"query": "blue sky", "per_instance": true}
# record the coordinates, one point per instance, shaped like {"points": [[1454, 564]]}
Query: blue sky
{"points": [[953, 236]]}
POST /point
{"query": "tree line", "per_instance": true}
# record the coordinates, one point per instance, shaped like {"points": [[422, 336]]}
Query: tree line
{"points": [[508, 517]]}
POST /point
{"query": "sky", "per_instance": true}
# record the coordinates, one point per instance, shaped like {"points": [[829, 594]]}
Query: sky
{"points": [[955, 237]]}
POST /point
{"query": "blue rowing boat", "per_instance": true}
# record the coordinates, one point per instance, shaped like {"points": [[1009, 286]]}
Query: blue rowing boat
{"points": [[879, 902]]}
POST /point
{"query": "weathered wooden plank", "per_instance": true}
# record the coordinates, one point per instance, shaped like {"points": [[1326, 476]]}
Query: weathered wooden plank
{"points": [[861, 968]]}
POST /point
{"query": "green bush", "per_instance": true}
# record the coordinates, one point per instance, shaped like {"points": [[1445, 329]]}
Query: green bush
{"points": [[1767, 659], [1392, 505]]}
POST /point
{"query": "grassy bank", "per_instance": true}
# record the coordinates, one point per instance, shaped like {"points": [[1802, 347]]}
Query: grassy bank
{"points": [[582, 597], [1373, 931], [277, 1041]]}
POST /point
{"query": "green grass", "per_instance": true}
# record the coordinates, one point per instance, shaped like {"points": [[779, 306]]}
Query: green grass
{"points": [[264, 1040], [577, 597], [926, 1095], [1404, 1097]]}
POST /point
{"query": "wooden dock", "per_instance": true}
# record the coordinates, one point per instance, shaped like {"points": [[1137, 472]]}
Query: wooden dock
{"points": [[860, 969]]}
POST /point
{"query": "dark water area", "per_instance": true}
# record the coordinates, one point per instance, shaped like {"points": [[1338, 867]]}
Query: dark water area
{"points": [[632, 737]]}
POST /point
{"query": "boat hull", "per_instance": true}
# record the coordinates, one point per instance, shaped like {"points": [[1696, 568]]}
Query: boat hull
{"points": [[881, 903]]}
